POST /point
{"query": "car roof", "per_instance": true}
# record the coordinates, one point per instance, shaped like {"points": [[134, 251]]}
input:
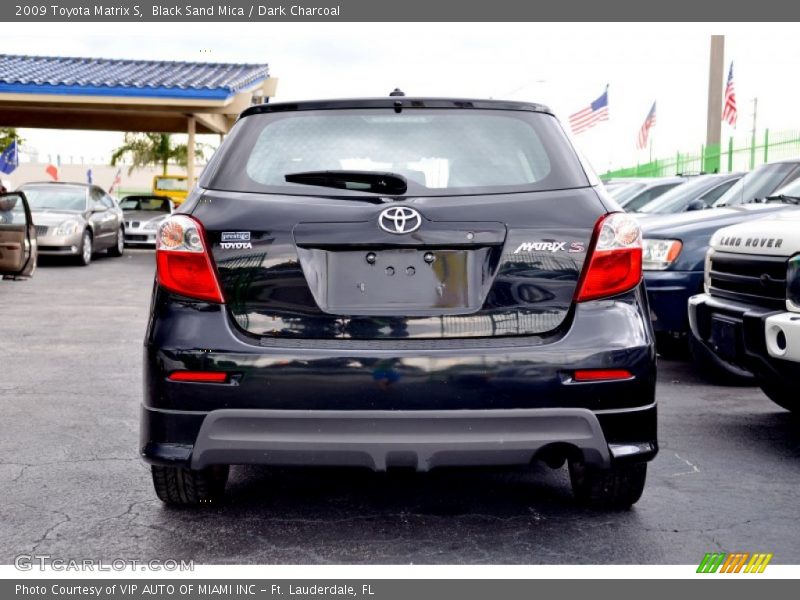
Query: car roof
{"points": [[63, 183], [395, 102]]}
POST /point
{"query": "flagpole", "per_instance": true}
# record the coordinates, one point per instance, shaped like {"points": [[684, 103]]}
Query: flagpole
{"points": [[609, 132]]}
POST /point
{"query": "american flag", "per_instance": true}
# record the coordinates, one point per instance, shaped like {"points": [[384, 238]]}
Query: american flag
{"points": [[644, 132], [591, 115], [117, 180], [729, 109]]}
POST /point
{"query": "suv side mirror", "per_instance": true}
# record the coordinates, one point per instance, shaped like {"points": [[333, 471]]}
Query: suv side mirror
{"points": [[696, 205]]}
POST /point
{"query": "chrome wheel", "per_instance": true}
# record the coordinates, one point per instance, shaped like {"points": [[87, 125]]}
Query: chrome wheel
{"points": [[86, 248]]}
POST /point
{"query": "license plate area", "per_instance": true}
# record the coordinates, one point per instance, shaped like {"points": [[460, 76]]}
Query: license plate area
{"points": [[725, 338], [398, 282]]}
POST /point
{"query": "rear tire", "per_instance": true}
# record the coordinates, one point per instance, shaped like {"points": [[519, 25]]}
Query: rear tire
{"points": [[86, 250], [119, 247], [178, 486], [781, 395], [617, 488], [713, 372]]}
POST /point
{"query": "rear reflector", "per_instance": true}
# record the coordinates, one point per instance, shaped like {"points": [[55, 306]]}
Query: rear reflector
{"points": [[199, 376], [601, 374]]}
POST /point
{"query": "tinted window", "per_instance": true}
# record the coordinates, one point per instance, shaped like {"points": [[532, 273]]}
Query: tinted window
{"points": [[438, 151], [758, 183], [55, 197]]}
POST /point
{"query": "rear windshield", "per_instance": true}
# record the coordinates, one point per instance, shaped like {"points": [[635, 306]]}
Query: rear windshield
{"points": [[439, 151]]}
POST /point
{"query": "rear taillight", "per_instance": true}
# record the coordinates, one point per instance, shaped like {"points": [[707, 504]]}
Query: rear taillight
{"points": [[183, 263], [614, 263]]}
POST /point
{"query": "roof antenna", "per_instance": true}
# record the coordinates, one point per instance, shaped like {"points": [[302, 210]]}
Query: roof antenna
{"points": [[397, 92]]}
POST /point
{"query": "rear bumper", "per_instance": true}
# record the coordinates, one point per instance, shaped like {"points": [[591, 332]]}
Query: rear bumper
{"points": [[668, 293], [422, 440], [363, 401], [746, 346]]}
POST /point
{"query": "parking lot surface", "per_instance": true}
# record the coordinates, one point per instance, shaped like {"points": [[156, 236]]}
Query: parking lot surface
{"points": [[74, 487]]}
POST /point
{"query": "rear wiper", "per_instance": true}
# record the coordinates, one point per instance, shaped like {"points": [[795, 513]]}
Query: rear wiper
{"points": [[783, 198], [392, 184]]}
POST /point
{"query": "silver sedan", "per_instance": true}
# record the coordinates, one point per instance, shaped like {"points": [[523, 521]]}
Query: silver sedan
{"points": [[75, 220], [143, 215]]}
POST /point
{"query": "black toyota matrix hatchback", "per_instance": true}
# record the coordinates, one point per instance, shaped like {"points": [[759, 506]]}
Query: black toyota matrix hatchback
{"points": [[399, 282]]}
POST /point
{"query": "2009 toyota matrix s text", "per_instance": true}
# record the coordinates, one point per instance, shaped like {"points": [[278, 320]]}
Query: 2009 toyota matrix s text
{"points": [[401, 282]]}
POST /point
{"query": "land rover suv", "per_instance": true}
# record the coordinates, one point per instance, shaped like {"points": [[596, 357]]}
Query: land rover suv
{"points": [[399, 282], [749, 315]]}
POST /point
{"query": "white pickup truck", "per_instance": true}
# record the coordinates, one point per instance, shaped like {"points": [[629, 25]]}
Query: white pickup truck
{"points": [[749, 315]]}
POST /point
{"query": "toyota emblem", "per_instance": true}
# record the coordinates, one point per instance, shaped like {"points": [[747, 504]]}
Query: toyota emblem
{"points": [[400, 219]]}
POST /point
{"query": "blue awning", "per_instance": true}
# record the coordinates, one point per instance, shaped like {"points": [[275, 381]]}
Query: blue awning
{"points": [[126, 78]]}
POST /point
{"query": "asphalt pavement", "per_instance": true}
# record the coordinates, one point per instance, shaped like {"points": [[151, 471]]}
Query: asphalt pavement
{"points": [[72, 484]]}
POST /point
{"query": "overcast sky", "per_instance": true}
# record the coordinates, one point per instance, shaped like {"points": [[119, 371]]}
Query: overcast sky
{"points": [[563, 65]]}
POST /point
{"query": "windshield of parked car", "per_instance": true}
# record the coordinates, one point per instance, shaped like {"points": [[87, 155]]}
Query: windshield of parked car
{"points": [[436, 151], [676, 199], [625, 191], [149, 204], [758, 183], [614, 186], [790, 189], [171, 184], [55, 197]]}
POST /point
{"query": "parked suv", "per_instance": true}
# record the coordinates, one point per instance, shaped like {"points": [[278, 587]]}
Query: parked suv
{"points": [[399, 282], [750, 314]]}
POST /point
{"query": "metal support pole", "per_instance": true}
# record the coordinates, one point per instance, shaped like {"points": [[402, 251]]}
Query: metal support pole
{"points": [[714, 113], [190, 148], [753, 135]]}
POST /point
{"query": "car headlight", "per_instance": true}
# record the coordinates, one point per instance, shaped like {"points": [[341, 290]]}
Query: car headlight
{"points": [[152, 225], [68, 227], [658, 255], [793, 284]]}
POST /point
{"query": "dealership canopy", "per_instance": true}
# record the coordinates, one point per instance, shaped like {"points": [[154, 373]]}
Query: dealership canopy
{"points": [[128, 95]]}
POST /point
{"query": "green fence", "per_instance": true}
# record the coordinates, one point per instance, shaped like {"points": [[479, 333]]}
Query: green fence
{"points": [[741, 155]]}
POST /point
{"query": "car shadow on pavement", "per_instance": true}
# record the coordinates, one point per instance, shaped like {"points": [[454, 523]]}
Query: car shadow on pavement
{"points": [[475, 515]]}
